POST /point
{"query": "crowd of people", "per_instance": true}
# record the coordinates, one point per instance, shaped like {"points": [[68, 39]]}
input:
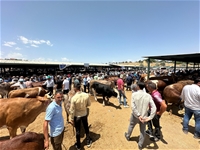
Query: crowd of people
{"points": [[147, 108]]}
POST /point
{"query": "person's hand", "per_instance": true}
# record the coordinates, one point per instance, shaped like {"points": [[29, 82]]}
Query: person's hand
{"points": [[141, 119], [146, 119], [46, 145]]}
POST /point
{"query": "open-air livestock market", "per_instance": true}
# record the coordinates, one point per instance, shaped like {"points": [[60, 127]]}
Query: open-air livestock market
{"points": [[100, 75], [23, 107]]}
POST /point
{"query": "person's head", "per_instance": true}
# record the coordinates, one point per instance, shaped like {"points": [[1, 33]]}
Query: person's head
{"points": [[21, 80], [141, 85], [48, 77], [58, 97], [151, 86], [197, 81], [134, 87], [77, 87]]}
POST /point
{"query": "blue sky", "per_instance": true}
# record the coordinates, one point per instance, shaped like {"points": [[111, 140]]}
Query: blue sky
{"points": [[98, 31]]}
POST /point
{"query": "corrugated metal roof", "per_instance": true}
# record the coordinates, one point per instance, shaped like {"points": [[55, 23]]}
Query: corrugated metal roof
{"points": [[192, 57]]}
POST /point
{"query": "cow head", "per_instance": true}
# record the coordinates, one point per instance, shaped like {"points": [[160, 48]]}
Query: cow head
{"points": [[46, 99]]}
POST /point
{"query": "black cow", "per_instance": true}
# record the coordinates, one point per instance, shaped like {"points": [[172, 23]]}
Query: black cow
{"points": [[104, 90]]}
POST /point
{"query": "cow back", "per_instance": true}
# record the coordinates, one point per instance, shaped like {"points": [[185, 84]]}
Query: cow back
{"points": [[172, 92], [29, 92], [103, 89], [25, 141], [16, 112]]}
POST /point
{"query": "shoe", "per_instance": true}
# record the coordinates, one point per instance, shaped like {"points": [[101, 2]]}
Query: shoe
{"points": [[196, 137], [154, 139], [77, 147], [185, 131], [126, 136], [126, 106], [150, 133], [89, 143]]}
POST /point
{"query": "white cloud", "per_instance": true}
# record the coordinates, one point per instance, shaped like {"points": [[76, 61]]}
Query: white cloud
{"points": [[17, 48], [49, 43], [33, 45], [24, 40], [64, 59], [15, 55], [34, 42], [9, 44]]}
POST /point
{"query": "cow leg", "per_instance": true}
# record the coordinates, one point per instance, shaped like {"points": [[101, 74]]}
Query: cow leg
{"points": [[103, 100], [108, 100], [12, 132], [94, 93]]}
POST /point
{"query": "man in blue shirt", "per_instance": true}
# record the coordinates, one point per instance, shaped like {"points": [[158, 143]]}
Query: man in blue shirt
{"points": [[55, 120]]}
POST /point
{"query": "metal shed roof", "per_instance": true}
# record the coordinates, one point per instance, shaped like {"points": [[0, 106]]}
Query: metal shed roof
{"points": [[192, 57]]}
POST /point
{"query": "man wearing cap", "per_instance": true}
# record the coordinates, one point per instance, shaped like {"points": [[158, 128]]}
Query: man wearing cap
{"points": [[20, 84], [49, 84], [1, 80]]}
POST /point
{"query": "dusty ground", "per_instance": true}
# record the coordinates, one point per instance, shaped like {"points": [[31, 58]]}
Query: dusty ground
{"points": [[108, 124]]}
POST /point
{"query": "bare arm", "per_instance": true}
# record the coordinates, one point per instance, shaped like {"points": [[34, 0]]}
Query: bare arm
{"points": [[163, 108], [46, 135]]}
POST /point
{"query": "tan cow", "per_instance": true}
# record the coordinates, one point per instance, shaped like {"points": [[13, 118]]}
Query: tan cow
{"points": [[172, 92], [25, 141], [20, 112], [28, 93], [5, 89], [67, 102]]}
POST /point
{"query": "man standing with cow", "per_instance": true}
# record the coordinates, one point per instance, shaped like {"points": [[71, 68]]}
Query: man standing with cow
{"points": [[54, 119], [120, 87], [78, 109], [140, 101], [49, 84], [160, 109], [191, 96]]}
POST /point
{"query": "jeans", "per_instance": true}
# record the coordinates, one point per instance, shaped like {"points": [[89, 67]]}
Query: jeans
{"points": [[77, 122], [187, 117], [133, 122], [124, 97]]}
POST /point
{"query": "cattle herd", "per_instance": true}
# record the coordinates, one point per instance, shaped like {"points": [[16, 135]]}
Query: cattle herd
{"points": [[20, 107]]}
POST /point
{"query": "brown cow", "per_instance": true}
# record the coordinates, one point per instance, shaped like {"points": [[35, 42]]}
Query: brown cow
{"points": [[25, 141], [5, 89], [67, 102], [20, 112], [172, 92], [38, 84], [28, 93], [160, 85]]}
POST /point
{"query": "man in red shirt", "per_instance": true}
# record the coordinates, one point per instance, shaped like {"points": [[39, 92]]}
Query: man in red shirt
{"points": [[120, 87], [161, 107]]}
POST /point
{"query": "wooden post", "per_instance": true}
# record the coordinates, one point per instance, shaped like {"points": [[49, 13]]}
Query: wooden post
{"points": [[174, 66], [148, 60]]}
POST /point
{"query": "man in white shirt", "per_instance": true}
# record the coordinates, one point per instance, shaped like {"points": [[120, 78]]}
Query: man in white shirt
{"points": [[66, 86], [49, 84], [20, 84], [191, 96], [88, 81]]}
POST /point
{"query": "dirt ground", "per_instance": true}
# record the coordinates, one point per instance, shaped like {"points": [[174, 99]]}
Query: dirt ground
{"points": [[108, 124]]}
